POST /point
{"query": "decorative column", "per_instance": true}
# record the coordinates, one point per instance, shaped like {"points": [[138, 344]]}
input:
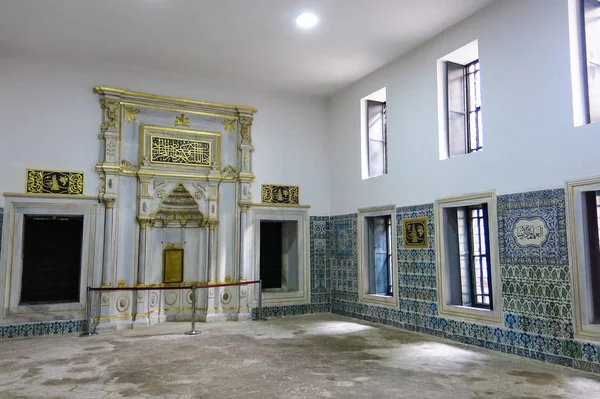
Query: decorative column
{"points": [[244, 269], [212, 252], [245, 179], [141, 269], [107, 266]]}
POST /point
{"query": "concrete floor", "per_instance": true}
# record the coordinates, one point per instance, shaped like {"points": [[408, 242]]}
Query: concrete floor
{"points": [[312, 356]]}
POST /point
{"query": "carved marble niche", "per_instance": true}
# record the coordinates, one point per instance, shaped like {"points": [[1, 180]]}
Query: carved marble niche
{"points": [[175, 175]]}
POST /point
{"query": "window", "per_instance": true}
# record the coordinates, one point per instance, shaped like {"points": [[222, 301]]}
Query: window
{"points": [[374, 134], [461, 122], [468, 276], [583, 202], [473, 247], [585, 59], [377, 246]]}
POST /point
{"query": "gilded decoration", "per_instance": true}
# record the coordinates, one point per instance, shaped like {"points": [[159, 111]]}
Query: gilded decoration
{"points": [[128, 166], [170, 150], [110, 112], [229, 171], [182, 120], [173, 264], [179, 206], [245, 125], [54, 182], [414, 232], [130, 113], [228, 125], [274, 194]]}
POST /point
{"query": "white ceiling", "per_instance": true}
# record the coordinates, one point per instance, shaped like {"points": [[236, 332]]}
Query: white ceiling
{"points": [[250, 41]]}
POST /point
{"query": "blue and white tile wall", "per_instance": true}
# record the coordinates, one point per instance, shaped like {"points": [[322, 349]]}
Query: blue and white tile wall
{"points": [[343, 258], [538, 316], [12, 331]]}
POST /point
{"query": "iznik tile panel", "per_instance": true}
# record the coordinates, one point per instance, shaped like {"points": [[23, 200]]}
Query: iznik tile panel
{"points": [[535, 281]]}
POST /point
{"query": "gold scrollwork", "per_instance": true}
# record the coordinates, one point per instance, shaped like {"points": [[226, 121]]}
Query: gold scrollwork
{"points": [[170, 150], [245, 125], [229, 171], [275, 194], [228, 125], [128, 166], [54, 182], [130, 113], [110, 108], [182, 120]]}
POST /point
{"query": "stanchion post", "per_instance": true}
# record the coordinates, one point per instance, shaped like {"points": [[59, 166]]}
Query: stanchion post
{"points": [[193, 331], [259, 316], [89, 332]]}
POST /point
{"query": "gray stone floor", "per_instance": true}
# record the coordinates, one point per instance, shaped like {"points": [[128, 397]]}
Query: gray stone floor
{"points": [[312, 356]]}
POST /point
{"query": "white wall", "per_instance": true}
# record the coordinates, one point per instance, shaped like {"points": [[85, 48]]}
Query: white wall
{"points": [[50, 119], [529, 139]]}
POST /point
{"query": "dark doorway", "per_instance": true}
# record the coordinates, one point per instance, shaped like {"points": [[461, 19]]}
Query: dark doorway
{"points": [[51, 259], [270, 254]]}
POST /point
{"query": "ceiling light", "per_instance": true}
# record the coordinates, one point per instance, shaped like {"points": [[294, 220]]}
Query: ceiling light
{"points": [[307, 20]]}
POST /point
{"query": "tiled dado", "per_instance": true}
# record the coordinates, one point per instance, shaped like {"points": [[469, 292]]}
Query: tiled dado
{"points": [[291, 310], [10, 331], [536, 286]]}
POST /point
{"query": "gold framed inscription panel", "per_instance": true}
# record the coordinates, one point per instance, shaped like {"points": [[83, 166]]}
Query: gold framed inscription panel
{"points": [[414, 233], [278, 194], [54, 182], [178, 150], [172, 265]]}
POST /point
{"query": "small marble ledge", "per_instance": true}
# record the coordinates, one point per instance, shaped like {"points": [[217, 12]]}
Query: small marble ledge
{"points": [[295, 206], [53, 196]]}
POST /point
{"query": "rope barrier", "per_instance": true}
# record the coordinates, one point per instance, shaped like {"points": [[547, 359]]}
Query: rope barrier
{"points": [[92, 331]]}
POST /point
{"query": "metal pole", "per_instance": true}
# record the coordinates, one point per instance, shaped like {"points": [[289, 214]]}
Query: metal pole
{"points": [[89, 332], [193, 331], [260, 318]]}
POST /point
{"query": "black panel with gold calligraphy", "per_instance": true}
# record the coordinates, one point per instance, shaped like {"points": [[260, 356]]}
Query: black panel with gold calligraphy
{"points": [[54, 182], [414, 233], [274, 194], [170, 150]]}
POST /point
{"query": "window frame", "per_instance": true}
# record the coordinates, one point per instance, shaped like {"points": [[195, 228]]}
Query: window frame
{"points": [[445, 283], [378, 97], [477, 108], [470, 133], [472, 255], [363, 262], [584, 112], [585, 327], [383, 140]]}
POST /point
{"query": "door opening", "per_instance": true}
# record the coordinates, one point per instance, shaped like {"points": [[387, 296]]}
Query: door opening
{"points": [[279, 255], [51, 259]]}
